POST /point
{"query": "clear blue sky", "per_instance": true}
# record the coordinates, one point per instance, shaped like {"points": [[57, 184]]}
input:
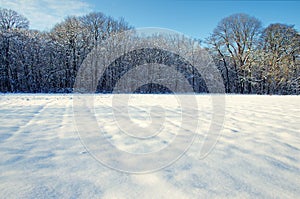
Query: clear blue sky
{"points": [[194, 18], [197, 18]]}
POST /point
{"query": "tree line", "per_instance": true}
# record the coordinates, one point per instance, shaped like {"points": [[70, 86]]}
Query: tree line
{"points": [[35, 61], [252, 59]]}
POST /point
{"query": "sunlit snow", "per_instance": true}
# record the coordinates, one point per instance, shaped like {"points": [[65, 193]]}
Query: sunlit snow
{"points": [[257, 154]]}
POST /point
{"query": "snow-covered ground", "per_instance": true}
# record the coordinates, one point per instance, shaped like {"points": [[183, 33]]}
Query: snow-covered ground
{"points": [[257, 154]]}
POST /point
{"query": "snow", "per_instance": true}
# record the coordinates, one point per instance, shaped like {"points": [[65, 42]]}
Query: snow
{"points": [[257, 154]]}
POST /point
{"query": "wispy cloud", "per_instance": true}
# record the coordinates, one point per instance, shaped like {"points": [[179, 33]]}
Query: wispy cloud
{"points": [[44, 14]]}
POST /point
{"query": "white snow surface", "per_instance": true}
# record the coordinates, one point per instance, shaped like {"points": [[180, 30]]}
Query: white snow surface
{"points": [[257, 154]]}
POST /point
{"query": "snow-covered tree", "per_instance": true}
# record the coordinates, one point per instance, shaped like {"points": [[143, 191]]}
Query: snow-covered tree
{"points": [[234, 39], [279, 47], [10, 24]]}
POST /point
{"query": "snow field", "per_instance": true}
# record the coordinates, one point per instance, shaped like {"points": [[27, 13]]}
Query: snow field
{"points": [[257, 153]]}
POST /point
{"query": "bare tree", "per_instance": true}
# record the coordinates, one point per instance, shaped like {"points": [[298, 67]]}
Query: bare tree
{"points": [[10, 19], [95, 23], [236, 37], [100, 26]]}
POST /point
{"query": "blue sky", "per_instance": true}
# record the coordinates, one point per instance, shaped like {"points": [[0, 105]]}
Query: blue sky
{"points": [[194, 18]]}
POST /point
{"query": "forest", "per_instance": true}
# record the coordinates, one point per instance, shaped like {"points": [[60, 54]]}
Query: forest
{"points": [[251, 58]]}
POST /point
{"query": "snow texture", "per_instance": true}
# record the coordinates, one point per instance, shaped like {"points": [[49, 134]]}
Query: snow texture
{"points": [[257, 154]]}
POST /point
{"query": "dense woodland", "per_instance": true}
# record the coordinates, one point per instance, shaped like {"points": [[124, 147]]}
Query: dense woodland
{"points": [[252, 59]]}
